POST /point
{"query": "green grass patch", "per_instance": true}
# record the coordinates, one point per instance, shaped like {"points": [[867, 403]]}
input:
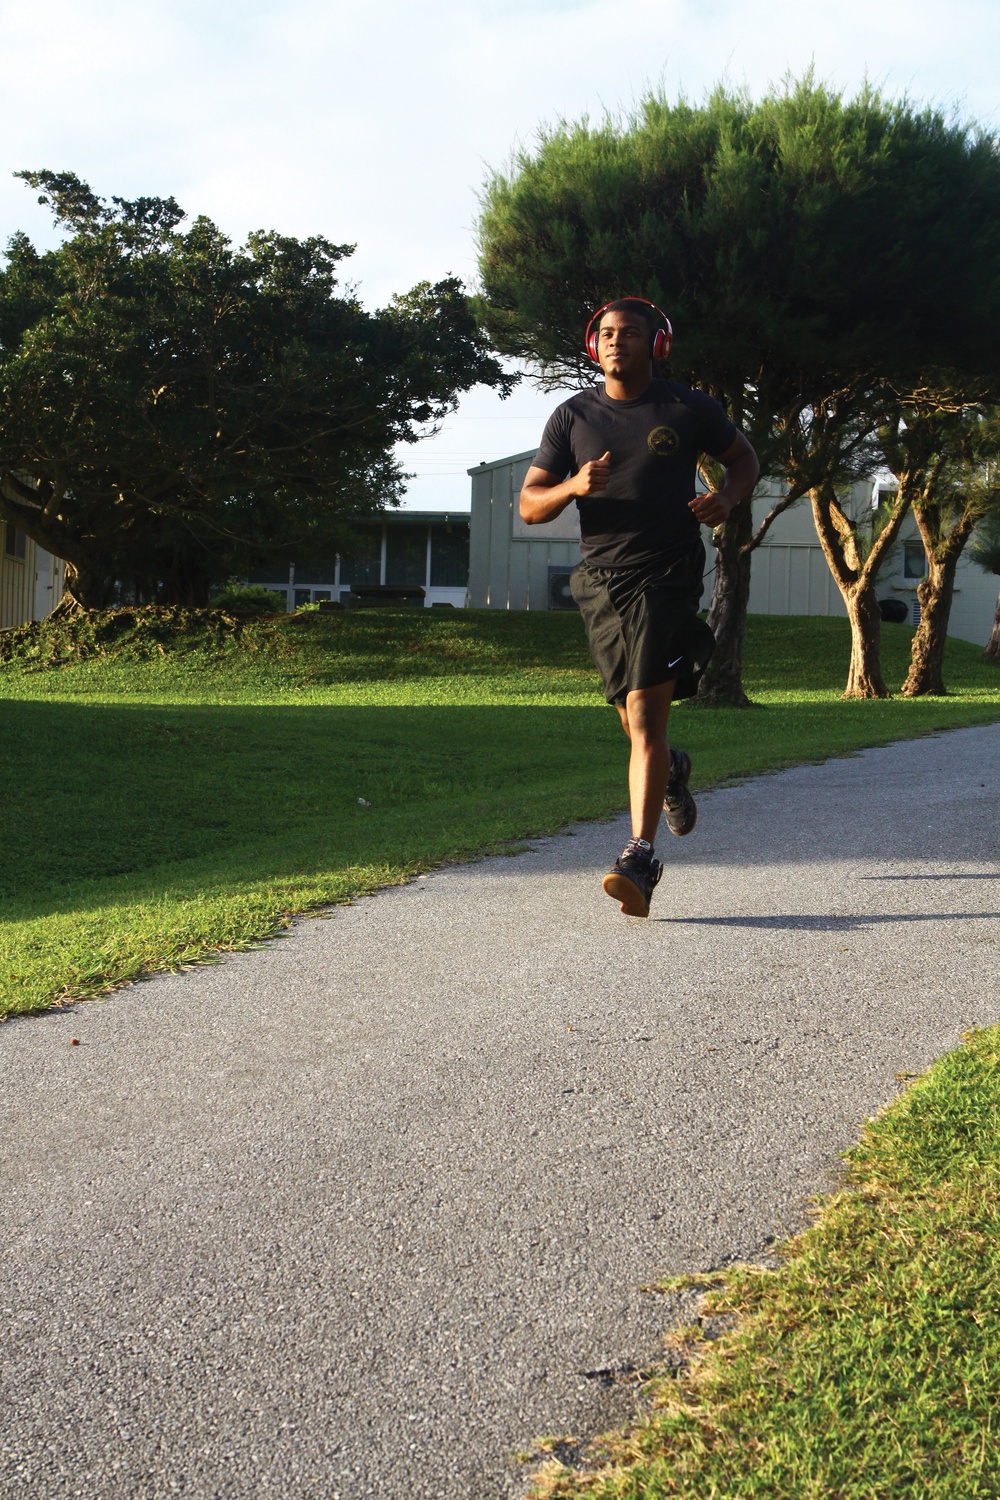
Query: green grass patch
{"points": [[865, 1368], [178, 783]]}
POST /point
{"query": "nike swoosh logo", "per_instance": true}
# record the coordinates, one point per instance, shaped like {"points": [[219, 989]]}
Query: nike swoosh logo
{"points": [[675, 663]]}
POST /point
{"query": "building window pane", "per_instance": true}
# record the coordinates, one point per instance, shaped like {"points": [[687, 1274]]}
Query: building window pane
{"points": [[450, 556], [361, 559], [914, 560], [14, 541], [315, 571], [405, 554], [273, 573]]}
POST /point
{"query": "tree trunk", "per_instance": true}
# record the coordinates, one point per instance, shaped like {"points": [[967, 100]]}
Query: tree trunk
{"points": [[855, 578], [188, 588], [992, 651], [864, 677], [722, 682], [926, 674], [86, 587]]}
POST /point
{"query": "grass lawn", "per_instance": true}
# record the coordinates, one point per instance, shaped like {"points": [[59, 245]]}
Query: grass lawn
{"points": [[180, 791], [868, 1366], [167, 797]]}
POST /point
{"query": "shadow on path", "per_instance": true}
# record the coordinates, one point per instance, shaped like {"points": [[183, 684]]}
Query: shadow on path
{"points": [[971, 875], [810, 923]]}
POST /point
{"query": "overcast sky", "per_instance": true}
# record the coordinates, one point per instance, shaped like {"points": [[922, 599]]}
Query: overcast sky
{"points": [[374, 123]]}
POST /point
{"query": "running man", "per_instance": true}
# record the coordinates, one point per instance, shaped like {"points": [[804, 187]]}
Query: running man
{"points": [[630, 449]]}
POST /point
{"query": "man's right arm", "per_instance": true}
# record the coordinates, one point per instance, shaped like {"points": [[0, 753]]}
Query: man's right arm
{"points": [[544, 495]]}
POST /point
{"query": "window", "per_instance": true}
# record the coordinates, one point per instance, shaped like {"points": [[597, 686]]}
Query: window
{"points": [[14, 541], [450, 555], [361, 559], [406, 554], [914, 560], [270, 571], [307, 570], [317, 571]]}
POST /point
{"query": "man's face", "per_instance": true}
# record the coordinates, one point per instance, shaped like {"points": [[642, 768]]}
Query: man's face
{"points": [[623, 344]]}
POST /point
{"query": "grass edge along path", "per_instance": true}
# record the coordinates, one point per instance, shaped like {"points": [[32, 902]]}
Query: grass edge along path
{"points": [[118, 930], [201, 796], [865, 1367]]}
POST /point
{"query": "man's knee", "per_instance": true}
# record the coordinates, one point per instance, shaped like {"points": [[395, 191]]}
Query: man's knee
{"points": [[647, 711], [645, 724]]}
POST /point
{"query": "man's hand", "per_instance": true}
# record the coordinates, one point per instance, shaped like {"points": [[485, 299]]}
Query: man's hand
{"points": [[544, 496], [711, 509], [742, 469], [594, 476]]}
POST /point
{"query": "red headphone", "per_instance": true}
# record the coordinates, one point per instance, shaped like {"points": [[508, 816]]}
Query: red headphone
{"points": [[663, 338]]}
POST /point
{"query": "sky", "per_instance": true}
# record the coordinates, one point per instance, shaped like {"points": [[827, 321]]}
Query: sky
{"points": [[375, 123]]}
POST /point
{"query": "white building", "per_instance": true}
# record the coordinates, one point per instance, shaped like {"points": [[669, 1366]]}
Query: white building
{"points": [[415, 548], [31, 579]]}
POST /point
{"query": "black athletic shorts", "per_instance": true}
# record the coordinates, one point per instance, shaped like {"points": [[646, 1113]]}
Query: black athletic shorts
{"points": [[642, 623]]}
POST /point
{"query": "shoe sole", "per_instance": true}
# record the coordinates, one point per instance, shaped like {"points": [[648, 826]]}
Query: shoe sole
{"points": [[620, 888]]}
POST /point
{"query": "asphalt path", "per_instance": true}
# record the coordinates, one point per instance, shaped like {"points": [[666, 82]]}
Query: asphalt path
{"points": [[367, 1210]]}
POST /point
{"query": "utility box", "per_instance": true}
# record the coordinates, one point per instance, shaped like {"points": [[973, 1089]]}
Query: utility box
{"points": [[559, 590]]}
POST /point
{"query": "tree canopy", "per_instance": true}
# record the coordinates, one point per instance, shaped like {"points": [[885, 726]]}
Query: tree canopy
{"points": [[171, 406], [821, 258], [806, 235]]}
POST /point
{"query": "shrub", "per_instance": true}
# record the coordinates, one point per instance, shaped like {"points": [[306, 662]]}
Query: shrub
{"points": [[249, 599]]}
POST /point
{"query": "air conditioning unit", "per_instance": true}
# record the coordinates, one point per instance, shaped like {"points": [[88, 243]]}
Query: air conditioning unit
{"points": [[895, 611], [559, 594]]}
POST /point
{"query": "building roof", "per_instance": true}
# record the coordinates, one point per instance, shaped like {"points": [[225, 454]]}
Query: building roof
{"points": [[500, 463], [438, 517]]}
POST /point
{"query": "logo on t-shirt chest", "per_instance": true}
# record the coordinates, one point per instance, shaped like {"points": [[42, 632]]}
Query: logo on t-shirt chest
{"points": [[663, 441]]}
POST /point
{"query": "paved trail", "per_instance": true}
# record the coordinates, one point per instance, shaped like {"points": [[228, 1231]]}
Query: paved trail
{"points": [[364, 1212]]}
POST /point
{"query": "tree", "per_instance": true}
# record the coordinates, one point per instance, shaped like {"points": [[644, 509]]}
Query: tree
{"points": [[794, 243], [947, 462], [985, 552], [172, 408]]}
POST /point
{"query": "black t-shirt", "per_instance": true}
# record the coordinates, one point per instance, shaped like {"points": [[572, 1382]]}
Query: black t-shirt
{"points": [[654, 442]]}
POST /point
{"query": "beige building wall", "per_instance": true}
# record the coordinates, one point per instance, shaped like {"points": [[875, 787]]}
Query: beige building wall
{"points": [[31, 579], [509, 562], [790, 575]]}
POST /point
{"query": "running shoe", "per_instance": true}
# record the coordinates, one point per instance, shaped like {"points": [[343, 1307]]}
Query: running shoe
{"points": [[678, 805], [632, 877]]}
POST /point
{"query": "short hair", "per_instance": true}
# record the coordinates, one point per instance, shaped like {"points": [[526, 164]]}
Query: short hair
{"points": [[639, 309]]}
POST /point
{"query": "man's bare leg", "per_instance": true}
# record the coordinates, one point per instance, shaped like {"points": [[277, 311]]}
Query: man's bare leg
{"points": [[644, 716]]}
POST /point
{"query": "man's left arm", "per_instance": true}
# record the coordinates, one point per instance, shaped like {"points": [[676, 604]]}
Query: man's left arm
{"points": [[742, 469]]}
